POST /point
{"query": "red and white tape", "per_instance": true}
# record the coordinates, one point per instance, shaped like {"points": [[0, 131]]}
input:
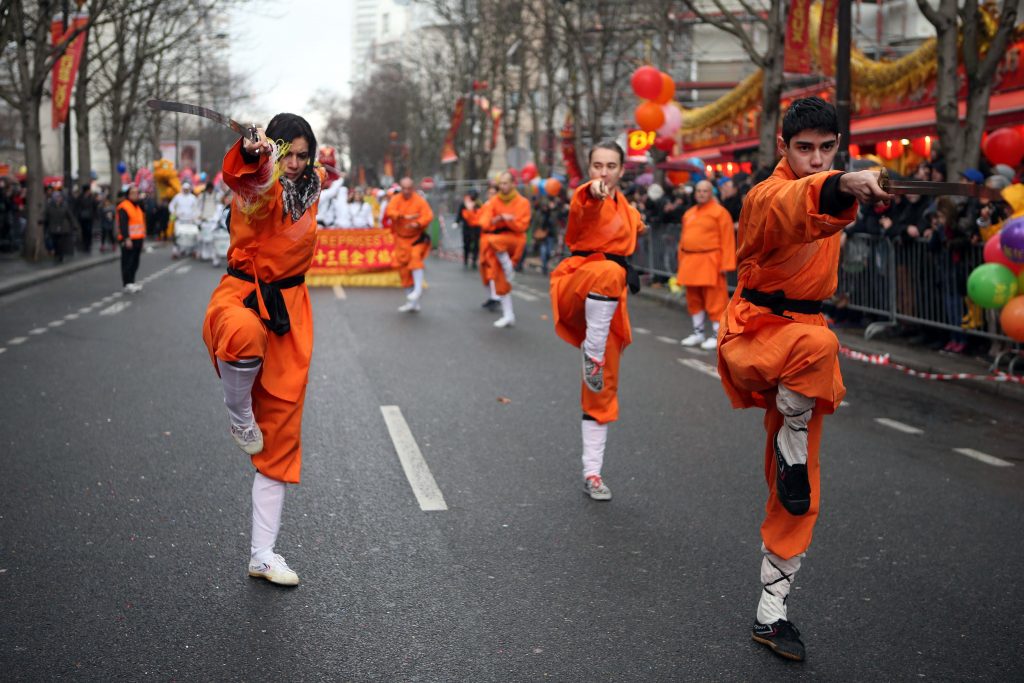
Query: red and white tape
{"points": [[883, 359]]}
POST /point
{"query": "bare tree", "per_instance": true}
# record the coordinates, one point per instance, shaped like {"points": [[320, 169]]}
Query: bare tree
{"points": [[982, 50]]}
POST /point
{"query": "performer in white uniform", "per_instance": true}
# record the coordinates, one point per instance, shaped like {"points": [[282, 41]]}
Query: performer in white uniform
{"points": [[185, 208]]}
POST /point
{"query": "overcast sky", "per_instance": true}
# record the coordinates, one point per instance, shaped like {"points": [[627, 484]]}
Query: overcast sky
{"points": [[291, 50]]}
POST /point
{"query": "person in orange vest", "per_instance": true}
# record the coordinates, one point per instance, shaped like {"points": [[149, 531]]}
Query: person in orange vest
{"points": [[131, 233], [775, 350], [588, 298], [504, 219], [259, 323], [707, 251], [409, 216]]}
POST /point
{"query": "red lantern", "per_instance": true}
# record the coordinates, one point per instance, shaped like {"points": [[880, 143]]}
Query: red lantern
{"points": [[649, 116], [1004, 146], [552, 186], [854, 150], [677, 177], [668, 89], [922, 146], [665, 144], [646, 82], [889, 150]]}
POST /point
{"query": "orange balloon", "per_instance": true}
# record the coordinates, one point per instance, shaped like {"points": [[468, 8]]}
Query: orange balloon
{"points": [[649, 116], [668, 89], [552, 186], [1012, 318]]}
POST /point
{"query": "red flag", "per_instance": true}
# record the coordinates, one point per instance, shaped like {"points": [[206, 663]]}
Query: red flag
{"points": [[66, 66], [828, 24], [798, 44], [448, 153]]}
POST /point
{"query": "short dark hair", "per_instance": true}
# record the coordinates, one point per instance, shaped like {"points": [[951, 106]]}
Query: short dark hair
{"points": [[610, 145], [809, 113], [287, 127]]}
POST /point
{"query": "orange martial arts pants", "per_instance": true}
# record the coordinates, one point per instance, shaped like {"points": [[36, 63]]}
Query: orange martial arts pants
{"points": [[711, 299], [409, 257], [514, 244], [485, 267], [803, 358], [569, 287], [233, 332]]}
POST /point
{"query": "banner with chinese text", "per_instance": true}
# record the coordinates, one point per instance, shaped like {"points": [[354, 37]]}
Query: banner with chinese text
{"points": [[798, 38], [66, 66], [356, 258]]}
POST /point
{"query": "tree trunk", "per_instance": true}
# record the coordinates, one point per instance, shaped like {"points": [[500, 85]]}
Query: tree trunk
{"points": [[34, 247], [82, 116], [771, 89], [947, 118]]}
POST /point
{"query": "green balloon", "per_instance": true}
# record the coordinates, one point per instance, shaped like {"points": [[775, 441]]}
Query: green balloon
{"points": [[991, 285]]}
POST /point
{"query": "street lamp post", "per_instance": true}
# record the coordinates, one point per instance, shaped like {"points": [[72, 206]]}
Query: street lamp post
{"points": [[843, 84]]}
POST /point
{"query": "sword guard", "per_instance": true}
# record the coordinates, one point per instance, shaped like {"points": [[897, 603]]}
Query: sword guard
{"points": [[254, 134], [883, 180]]}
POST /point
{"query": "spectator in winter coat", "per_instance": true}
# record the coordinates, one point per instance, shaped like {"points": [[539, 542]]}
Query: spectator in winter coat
{"points": [[60, 225]]}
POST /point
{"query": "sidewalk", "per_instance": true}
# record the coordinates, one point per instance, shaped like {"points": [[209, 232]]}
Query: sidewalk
{"points": [[16, 273], [914, 358]]}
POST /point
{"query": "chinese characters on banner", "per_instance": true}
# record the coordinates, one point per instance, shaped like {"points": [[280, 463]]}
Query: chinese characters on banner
{"points": [[798, 38], [828, 24], [354, 257], [66, 66]]}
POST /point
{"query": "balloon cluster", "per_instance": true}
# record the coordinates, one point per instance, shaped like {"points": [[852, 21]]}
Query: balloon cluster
{"points": [[1004, 146], [658, 111], [999, 282], [529, 175]]}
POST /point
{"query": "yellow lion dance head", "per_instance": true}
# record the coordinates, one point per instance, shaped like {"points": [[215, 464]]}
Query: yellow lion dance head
{"points": [[166, 178]]}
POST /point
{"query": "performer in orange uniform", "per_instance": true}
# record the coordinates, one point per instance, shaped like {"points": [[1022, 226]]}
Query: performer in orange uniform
{"points": [[504, 219], [259, 323], [493, 301], [775, 350], [409, 215], [588, 298], [707, 251]]}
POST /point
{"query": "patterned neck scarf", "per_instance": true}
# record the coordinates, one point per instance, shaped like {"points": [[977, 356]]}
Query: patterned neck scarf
{"points": [[300, 195]]}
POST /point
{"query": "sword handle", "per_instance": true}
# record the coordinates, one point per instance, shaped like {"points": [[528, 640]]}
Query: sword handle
{"points": [[254, 134], [883, 180]]}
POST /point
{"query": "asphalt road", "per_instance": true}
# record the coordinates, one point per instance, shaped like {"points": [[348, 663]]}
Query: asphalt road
{"points": [[124, 518]]}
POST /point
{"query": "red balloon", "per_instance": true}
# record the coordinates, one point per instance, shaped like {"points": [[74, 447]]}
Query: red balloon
{"points": [[552, 186], [665, 144], [667, 91], [649, 116], [646, 82], [889, 149], [529, 172], [1012, 318], [994, 254], [677, 177], [1004, 146]]}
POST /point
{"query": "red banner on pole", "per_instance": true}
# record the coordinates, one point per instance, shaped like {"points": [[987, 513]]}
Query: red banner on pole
{"points": [[448, 153], [798, 43], [66, 66], [826, 57]]}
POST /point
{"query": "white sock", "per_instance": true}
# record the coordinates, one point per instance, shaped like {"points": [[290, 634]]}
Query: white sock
{"points": [[237, 382], [594, 437], [494, 292], [714, 327], [599, 313], [267, 502], [776, 580], [417, 285], [796, 410], [506, 264], [506, 307], [698, 322]]}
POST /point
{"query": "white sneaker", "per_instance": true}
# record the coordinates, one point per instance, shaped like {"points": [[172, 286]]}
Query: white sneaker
{"points": [[710, 344], [694, 339], [505, 322], [409, 307], [136, 287], [596, 488], [249, 439], [276, 571]]}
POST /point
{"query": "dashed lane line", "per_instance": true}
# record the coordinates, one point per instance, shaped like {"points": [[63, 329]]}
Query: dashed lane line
{"points": [[983, 457], [699, 366], [667, 340], [898, 426], [524, 296], [116, 308], [413, 463], [55, 323], [183, 270], [37, 331], [16, 341], [339, 292], [641, 330], [2, 349], [71, 316]]}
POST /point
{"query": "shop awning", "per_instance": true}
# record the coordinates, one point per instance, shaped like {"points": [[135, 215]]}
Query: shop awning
{"points": [[683, 162], [1004, 109]]}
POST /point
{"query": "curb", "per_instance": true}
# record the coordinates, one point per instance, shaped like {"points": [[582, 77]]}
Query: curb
{"points": [[27, 280]]}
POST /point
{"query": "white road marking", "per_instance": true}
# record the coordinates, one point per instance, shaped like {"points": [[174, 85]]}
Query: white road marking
{"points": [[416, 470], [699, 366], [641, 330], [695, 350], [55, 323], [87, 309], [17, 340], [117, 295], [523, 295], [183, 270], [667, 340], [339, 292], [983, 457], [71, 316], [114, 309], [844, 404], [899, 426], [38, 330], [2, 349]]}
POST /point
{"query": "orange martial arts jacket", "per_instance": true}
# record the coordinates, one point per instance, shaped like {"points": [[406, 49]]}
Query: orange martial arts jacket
{"points": [[403, 212], [707, 245], [505, 235], [785, 244], [608, 226], [517, 206]]}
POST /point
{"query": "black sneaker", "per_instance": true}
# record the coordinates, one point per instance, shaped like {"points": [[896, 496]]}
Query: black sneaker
{"points": [[791, 484], [491, 304], [782, 637]]}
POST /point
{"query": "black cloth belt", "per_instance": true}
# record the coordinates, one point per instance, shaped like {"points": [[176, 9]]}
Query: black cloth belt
{"points": [[632, 276], [499, 231], [778, 303], [424, 237], [279, 323]]}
